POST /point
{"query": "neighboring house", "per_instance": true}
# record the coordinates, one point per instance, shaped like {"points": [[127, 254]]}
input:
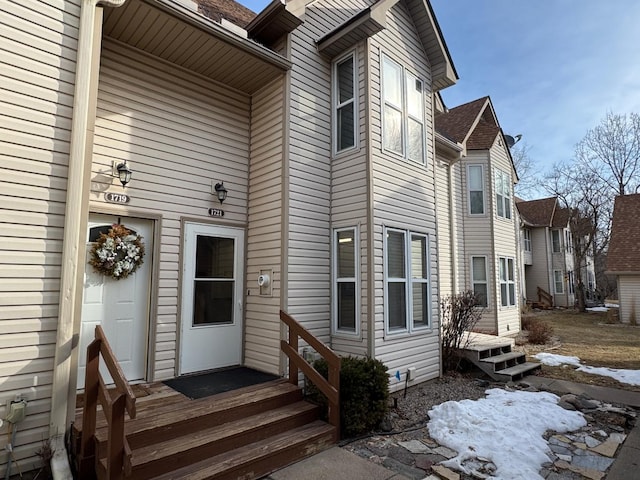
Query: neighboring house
{"points": [[623, 255], [477, 225], [318, 120], [549, 259]]}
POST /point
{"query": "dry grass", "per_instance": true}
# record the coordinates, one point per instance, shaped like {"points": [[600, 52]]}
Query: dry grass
{"points": [[598, 344]]}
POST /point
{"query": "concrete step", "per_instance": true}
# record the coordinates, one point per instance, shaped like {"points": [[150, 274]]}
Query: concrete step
{"points": [[519, 371]]}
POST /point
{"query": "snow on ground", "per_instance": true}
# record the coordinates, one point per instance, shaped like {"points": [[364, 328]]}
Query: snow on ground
{"points": [[505, 428], [597, 309], [630, 377]]}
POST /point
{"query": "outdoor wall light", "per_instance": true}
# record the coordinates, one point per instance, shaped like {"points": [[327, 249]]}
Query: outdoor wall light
{"points": [[124, 174], [221, 192]]}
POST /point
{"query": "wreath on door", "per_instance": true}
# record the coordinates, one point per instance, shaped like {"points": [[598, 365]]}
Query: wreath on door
{"points": [[117, 253]]}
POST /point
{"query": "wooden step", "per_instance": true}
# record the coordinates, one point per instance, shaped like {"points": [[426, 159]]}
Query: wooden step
{"points": [[519, 371], [505, 357], [166, 422], [259, 458], [158, 457]]}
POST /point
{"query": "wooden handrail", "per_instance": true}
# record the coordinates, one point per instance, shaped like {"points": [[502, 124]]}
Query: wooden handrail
{"points": [[330, 388], [113, 405], [544, 295]]}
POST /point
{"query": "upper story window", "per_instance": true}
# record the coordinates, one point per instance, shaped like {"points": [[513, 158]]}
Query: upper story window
{"points": [[403, 111], [556, 241], [503, 194], [527, 240], [406, 281], [345, 281], [344, 97], [567, 240], [475, 181]]}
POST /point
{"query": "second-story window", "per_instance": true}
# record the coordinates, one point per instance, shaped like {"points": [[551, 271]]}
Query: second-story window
{"points": [[556, 243], [476, 189], [527, 240], [403, 111], [344, 81], [503, 194]]}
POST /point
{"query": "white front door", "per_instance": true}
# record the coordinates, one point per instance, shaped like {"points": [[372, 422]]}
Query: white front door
{"points": [[120, 306], [212, 288]]}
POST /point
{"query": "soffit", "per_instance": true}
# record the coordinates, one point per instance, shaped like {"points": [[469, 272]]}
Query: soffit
{"points": [[192, 41]]}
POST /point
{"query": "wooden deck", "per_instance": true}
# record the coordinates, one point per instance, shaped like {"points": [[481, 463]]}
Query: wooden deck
{"points": [[480, 340]]}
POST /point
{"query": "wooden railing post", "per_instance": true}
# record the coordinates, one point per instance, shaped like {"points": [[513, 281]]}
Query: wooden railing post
{"points": [[334, 409], [293, 342], [115, 442], [91, 388]]}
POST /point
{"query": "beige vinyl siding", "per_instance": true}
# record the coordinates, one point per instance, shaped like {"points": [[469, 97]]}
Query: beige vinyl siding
{"points": [[505, 237], [180, 133], [38, 44], [443, 172], [538, 272], [264, 235], [403, 198], [629, 298]]}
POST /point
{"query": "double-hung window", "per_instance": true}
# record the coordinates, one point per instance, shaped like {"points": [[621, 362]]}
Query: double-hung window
{"points": [[527, 240], [475, 182], [503, 194], [407, 305], [558, 280], [507, 282], [345, 91], [556, 241], [345, 283], [403, 111], [479, 278]]}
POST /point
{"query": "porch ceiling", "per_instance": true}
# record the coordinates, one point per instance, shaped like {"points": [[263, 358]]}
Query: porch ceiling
{"points": [[192, 41]]}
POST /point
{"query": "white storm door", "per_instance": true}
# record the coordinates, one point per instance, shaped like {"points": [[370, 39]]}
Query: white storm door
{"points": [[120, 306], [212, 288]]}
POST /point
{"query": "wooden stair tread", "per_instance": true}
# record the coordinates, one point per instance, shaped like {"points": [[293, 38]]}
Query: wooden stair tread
{"points": [[253, 460], [193, 410], [518, 369], [503, 357], [482, 348], [221, 434]]}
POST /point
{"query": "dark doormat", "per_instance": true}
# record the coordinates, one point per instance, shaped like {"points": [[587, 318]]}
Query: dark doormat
{"points": [[211, 383]]}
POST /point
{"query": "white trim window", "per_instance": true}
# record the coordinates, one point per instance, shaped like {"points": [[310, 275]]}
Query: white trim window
{"points": [[406, 278], [346, 281], [403, 129], [475, 184], [507, 282], [503, 194], [558, 281], [526, 234], [556, 241], [345, 92], [571, 282], [479, 280]]}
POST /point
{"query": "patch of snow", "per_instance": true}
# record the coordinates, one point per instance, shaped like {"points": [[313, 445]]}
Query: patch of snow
{"points": [[630, 377], [554, 360], [598, 309], [513, 421]]}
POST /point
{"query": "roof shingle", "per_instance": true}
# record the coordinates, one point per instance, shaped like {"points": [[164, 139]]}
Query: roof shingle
{"points": [[537, 213], [457, 122], [624, 245], [230, 10]]}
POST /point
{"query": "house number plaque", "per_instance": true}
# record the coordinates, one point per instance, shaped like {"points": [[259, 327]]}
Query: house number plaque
{"points": [[120, 198], [216, 212]]}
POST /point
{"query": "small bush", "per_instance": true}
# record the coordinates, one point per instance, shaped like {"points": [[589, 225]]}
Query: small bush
{"points": [[364, 393], [460, 314], [526, 321], [539, 332]]}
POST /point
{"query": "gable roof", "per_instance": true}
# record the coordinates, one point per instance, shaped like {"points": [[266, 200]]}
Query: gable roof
{"points": [[456, 123], [624, 245], [230, 10], [537, 213], [483, 136]]}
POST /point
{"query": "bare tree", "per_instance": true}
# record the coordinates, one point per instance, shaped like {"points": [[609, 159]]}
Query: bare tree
{"points": [[527, 180], [611, 152]]}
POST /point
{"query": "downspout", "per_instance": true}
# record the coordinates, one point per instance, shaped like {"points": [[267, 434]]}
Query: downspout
{"points": [[371, 230], [76, 212]]}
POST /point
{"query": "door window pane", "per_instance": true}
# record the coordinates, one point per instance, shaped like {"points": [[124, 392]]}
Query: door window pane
{"points": [[214, 257], [212, 302]]}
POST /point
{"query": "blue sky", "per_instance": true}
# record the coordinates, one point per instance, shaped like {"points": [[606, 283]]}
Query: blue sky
{"points": [[553, 68]]}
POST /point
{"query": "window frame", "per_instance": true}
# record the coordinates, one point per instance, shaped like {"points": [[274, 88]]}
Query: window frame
{"points": [[553, 241], [502, 199], [469, 191], [526, 235], [555, 282], [507, 282], [486, 277], [403, 109], [408, 280], [337, 105], [335, 280]]}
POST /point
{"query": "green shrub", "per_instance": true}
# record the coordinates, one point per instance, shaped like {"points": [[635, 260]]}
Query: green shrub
{"points": [[364, 393]]}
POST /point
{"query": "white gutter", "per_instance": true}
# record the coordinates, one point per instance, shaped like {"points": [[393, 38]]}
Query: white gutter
{"points": [[76, 211]]}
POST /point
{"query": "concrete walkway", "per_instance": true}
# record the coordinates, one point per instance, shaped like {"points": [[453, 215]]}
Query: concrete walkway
{"points": [[340, 464]]}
